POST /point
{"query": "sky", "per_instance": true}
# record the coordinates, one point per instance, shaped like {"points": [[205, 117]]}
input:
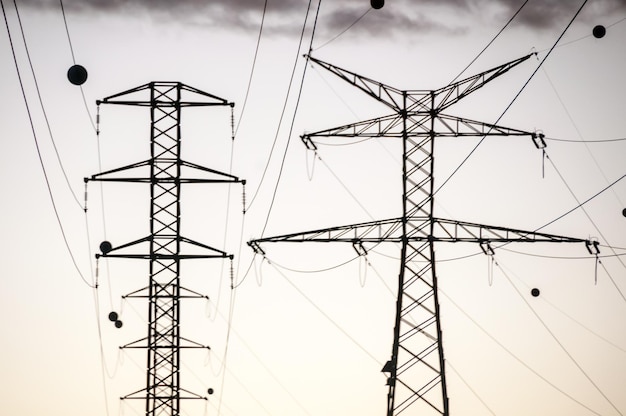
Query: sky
{"points": [[311, 325]]}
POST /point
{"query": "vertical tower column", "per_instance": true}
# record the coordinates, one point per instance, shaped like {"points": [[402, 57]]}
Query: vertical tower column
{"points": [[163, 375]]}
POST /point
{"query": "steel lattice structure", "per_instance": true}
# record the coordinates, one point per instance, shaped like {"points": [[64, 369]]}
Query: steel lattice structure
{"points": [[166, 247], [416, 370]]}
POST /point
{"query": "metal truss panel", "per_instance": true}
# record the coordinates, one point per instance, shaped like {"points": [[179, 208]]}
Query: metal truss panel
{"points": [[163, 248]]}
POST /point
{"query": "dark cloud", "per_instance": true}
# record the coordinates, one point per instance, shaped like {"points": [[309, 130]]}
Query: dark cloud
{"points": [[396, 17]]}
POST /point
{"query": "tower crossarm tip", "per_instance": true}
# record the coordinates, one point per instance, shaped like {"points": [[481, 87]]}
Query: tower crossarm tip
{"points": [[454, 92], [461, 231]]}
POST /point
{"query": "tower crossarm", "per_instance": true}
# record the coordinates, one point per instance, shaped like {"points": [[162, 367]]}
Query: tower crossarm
{"points": [[164, 90], [417, 230], [211, 175], [366, 232], [417, 125], [453, 231], [449, 95], [390, 96], [177, 243], [453, 126], [386, 126]]}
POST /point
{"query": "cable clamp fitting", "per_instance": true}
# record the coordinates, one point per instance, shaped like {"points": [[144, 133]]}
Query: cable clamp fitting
{"points": [[359, 248], [593, 246], [539, 140], [486, 248], [308, 142]]}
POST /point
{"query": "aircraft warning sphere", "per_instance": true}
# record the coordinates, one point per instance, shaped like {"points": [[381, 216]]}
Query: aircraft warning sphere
{"points": [[624, 212], [599, 31], [105, 247], [118, 324], [377, 4], [210, 391], [77, 74], [113, 316], [535, 292]]}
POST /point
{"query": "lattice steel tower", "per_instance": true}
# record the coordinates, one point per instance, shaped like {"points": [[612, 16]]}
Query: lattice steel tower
{"points": [[165, 247], [416, 369]]}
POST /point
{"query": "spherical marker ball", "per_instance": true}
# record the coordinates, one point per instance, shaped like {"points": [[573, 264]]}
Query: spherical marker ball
{"points": [[113, 316], [624, 212], [377, 4], [105, 247], [210, 391], [77, 74], [599, 31], [535, 292], [118, 324]]}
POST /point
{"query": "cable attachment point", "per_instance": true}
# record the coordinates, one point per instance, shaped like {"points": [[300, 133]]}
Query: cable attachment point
{"points": [[539, 139], [254, 245], [359, 248], [593, 246], [486, 248], [306, 139]]}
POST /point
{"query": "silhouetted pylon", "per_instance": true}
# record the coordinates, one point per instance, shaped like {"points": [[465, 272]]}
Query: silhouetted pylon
{"points": [[166, 173], [416, 369]]}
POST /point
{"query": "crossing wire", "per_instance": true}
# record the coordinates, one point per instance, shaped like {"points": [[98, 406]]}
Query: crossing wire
{"points": [[282, 114], [513, 100], [43, 109], [519, 360], [295, 112], [560, 344], [39, 155]]}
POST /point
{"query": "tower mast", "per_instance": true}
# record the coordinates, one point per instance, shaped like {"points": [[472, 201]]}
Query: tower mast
{"points": [[166, 247], [416, 369]]}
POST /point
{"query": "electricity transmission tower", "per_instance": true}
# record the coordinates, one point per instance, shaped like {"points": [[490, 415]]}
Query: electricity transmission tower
{"points": [[165, 172], [416, 369]]}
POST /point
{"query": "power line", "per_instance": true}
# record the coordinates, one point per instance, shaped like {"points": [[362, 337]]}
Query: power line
{"points": [[39, 155], [283, 111], [295, 112], [320, 310], [69, 40], [621, 139], [519, 360], [560, 344], [43, 109], [256, 52], [570, 317], [358, 19], [584, 37], [571, 119], [513, 100], [490, 42], [590, 220]]}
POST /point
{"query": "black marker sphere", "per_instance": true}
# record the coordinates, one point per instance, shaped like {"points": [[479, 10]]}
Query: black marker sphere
{"points": [[77, 74], [599, 31]]}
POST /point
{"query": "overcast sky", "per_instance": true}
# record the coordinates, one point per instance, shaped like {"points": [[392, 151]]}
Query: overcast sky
{"points": [[399, 15], [314, 343]]}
